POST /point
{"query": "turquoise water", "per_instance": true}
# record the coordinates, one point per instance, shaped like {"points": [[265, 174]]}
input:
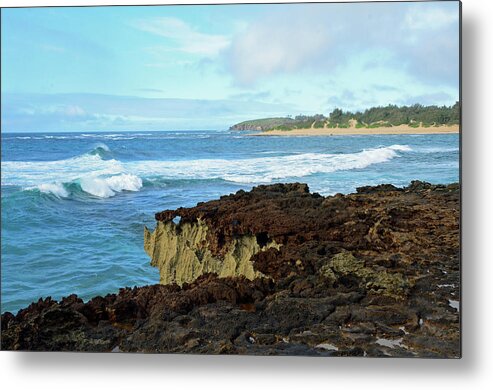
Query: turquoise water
{"points": [[74, 205]]}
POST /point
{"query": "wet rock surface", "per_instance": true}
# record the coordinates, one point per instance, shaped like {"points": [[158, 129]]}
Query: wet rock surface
{"points": [[375, 273]]}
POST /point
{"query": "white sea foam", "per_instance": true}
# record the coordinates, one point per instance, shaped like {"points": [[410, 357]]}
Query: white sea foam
{"points": [[96, 186], [96, 135], [112, 137], [101, 187], [26, 137], [56, 189], [104, 178], [108, 186], [264, 169], [438, 150], [31, 173]]}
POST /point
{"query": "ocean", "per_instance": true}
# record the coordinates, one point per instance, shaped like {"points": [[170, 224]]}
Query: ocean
{"points": [[74, 205]]}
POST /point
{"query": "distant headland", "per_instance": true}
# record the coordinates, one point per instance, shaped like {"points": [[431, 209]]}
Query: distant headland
{"points": [[392, 119]]}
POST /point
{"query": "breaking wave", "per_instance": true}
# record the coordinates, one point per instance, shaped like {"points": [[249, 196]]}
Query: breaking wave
{"points": [[100, 187], [97, 174], [56, 189], [101, 150], [105, 187]]}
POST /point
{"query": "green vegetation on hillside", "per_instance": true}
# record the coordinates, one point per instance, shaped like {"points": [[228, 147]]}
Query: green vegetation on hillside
{"points": [[390, 115], [262, 124], [393, 115]]}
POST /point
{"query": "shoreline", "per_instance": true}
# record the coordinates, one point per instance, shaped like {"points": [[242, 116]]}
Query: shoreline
{"points": [[290, 289], [394, 130]]}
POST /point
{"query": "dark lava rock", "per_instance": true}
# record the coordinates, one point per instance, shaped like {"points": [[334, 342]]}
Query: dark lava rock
{"points": [[374, 273]]}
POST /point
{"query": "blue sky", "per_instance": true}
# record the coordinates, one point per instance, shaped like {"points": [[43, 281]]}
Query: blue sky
{"points": [[204, 67]]}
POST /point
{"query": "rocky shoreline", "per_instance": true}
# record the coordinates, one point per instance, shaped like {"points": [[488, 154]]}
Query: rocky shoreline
{"points": [[279, 271]]}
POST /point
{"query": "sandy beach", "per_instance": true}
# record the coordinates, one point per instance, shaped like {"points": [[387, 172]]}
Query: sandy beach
{"points": [[402, 129]]}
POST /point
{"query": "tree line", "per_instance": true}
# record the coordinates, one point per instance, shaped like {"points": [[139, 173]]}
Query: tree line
{"points": [[391, 115], [395, 115]]}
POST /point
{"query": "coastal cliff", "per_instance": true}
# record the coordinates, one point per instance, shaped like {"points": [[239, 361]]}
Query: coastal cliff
{"points": [[261, 124], [279, 270]]}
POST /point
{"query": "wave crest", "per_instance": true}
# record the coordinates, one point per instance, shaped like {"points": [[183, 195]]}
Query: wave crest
{"points": [[101, 150], [265, 169], [101, 187], [104, 177], [56, 189], [109, 186]]}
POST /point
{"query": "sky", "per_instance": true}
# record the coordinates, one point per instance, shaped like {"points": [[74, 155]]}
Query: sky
{"points": [[208, 67]]}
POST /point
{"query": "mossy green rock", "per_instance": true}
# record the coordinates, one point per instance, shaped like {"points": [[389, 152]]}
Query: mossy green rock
{"points": [[345, 263], [378, 281]]}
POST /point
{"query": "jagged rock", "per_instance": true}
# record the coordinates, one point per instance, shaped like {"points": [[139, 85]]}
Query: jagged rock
{"points": [[279, 270], [182, 254]]}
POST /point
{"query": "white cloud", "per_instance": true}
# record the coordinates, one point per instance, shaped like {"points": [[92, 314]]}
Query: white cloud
{"points": [[418, 39], [272, 46], [185, 36], [73, 110], [68, 110], [421, 18]]}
